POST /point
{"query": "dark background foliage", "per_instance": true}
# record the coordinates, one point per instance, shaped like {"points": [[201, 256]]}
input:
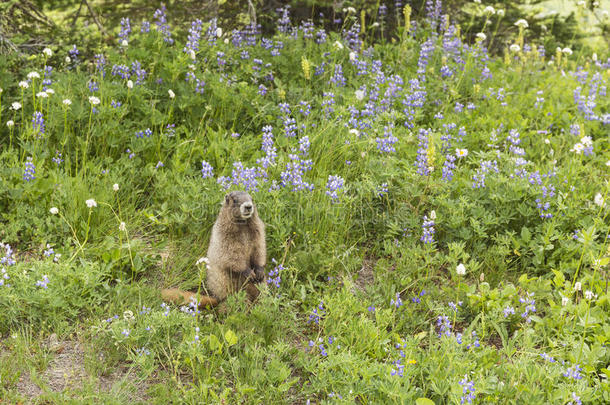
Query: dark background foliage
{"points": [[27, 26]]}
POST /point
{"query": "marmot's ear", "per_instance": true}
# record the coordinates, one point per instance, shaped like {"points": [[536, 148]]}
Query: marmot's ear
{"points": [[228, 197]]}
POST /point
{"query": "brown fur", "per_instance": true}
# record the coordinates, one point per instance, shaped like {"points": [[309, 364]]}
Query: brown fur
{"points": [[237, 254]]}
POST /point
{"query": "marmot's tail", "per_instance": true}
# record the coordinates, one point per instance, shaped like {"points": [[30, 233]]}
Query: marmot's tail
{"points": [[180, 297]]}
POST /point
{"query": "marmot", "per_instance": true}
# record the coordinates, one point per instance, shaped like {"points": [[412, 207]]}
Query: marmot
{"points": [[236, 255]]}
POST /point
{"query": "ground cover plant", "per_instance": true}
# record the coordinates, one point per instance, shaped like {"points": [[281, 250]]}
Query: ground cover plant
{"points": [[437, 217]]}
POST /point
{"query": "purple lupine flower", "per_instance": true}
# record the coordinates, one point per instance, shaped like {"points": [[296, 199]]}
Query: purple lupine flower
{"points": [[352, 37], [120, 70], [444, 325], [530, 306], [206, 170], [382, 189], [304, 145], [334, 184], [161, 22], [573, 372], [125, 29], [145, 132], [293, 175], [43, 282], [386, 144], [274, 275], [57, 159], [396, 302], [338, 79], [283, 22], [145, 27], [478, 179], [136, 68], [317, 313], [38, 124], [428, 229], [30, 170], [192, 43], [73, 53], [46, 81], [268, 147], [422, 153], [328, 102], [468, 390], [448, 167]]}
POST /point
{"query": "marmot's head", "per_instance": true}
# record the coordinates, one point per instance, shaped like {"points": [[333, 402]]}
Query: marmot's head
{"points": [[239, 205]]}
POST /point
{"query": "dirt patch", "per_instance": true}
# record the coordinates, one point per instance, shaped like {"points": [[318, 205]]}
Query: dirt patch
{"points": [[366, 274], [124, 383], [67, 372]]}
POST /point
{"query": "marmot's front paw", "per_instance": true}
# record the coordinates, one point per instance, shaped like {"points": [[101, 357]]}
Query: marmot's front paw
{"points": [[259, 274]]}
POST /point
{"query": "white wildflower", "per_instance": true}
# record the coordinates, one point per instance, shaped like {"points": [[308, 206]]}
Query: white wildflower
{"points": [[47, 52], [564, 301], [91, 203], [460, 153], [122, 227], [577, 286], [33, 75], [124, 43], [94, 100], [460, 269], [129, 84], [481, 36], [359, 94], [10, 123], [115, 187], [219, 32], [67, 102], [500, 12], [514, 48], [338, 45], [567, 51], [15, 106], [202, 260], [521, 23], [432, 214], [352, 56], [599, 200], [578, 148], [589, 295], [54, 210], [171, 94], [594, 57], [23, 85], [586, 141], [50, 91], [192, 54], [489, 10], [42, 94], [67, 59], [354, 131]]}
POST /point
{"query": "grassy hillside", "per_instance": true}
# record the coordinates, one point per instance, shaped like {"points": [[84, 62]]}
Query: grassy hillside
{"points": [[437, 219]]}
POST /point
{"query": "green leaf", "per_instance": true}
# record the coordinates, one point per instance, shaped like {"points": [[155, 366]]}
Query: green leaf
{"points": [[230, 337], [214, 343], [424, 401]]}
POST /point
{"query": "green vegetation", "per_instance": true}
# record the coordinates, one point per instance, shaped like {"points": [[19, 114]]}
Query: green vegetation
{"points": [[437, 218]]}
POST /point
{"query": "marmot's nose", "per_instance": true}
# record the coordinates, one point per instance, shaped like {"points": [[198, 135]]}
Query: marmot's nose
{"points": [[247, 207]]}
